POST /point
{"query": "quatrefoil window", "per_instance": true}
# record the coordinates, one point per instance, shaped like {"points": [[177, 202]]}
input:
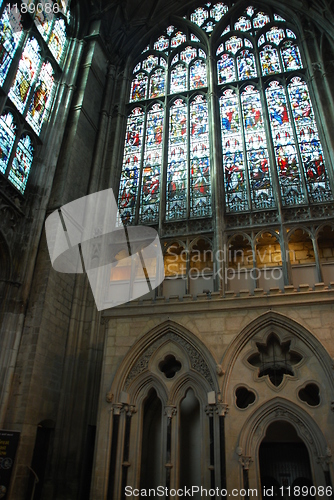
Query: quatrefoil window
{"points": [[275, 359], [169, 366]]}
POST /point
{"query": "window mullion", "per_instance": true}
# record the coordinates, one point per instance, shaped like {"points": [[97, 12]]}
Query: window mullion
{"points": [[188, 211], [140, 179], [247, 173], [164, 165]]}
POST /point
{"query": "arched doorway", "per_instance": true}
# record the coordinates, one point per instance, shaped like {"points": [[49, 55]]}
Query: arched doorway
{"points": [[284, 462]]}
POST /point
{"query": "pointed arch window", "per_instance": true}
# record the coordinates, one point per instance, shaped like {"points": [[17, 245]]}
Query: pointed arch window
{"points": [[271, 151], [29, 79]]}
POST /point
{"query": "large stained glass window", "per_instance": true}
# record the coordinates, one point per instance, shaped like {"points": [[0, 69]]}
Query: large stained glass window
{"points": [[7, 138], [252, 89], [10, 34], [25, 75], [36, 49], [21, 164]]}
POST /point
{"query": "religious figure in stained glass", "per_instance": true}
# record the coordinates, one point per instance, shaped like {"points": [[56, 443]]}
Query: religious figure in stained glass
{"points": [[25, 74], [234, 169], [39, 102], [157, 83], [57, 41], [178, 79], [246, 65], [7, 138], [198, 76], [308, 140], [139, 87], [150, 186], [10, 34], [226, 69], [284, 144], [291, 56], [200, 184], [19, 172], [256, 147], [269, 60], [131, 165], [177, 162]]}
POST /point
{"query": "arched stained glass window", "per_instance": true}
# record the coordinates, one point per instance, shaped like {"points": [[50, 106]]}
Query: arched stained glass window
{"points": [[177, 161], [150, 182], [57, 41], [25, 75], [10, 34], [21, 164], [7, 138], [271, 151], [41, 97], [131, 166]]}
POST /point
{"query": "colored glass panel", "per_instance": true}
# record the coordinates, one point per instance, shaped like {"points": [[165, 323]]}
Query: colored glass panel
{"points": [[226, 30], [43, 20], [161, 44], [19, 172], [261, 41], [284, 144], [226, 69], [290, 34], [233, 158], [291, 57], [178, 79], [177, 162], [200, 184], [188, 54], [208, 27], [220, 49], [131, 164], [10, 34], [178, 39], [139, 87], [247, 43], [40, 101], [198, 76], [57, 40], [278, 18], [218, 11], [175, 59], [150, 63], [157, 83], [275, 35], [243, 24], [7, 138], [233, 44], [25, 74], [308, 140], [194, 38], [269, 60], [199, 16], [150, 187], [250, 11], [256, 147], [170, 30], [260, 20], [246, 65]]}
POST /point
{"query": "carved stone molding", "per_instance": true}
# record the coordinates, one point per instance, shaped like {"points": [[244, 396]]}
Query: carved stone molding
{"points": [[209, 410], [197, 361], [325, 459], [222, 409], [109, 397], [245, 461], [170, 411], [118, 408]]}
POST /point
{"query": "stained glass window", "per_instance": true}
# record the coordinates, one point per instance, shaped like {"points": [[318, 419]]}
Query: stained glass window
{"points": [[284, 145], [24, 154], [269, 60], [176, 190], [256, 148], [291, 56], [139, 87], [7, 138], [131, 166], [43, 20], [233, 156], [271, 151], [40, 101], [308, 140], [10, 34], [200, 184], [150, 185], [25, 74], [57, 40]]}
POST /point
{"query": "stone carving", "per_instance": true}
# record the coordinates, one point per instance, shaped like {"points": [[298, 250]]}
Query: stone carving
{"points": [[109, 397], [325, 459], [198, 363], [221, 409], [170, 411], [245, 462]]}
